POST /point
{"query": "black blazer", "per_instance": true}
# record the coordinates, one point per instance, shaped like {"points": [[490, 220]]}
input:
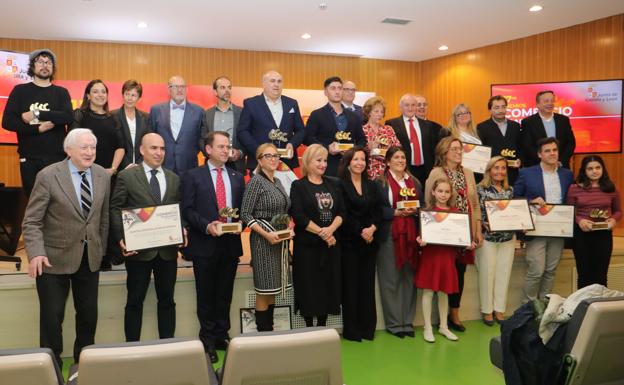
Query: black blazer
{"points": [[142, 127], [533, 130], [507, 145], [430, 138], [321, 128], [199, 208]]}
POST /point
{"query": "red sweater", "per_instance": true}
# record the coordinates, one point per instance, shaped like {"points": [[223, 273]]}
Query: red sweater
{"points": [[586, 200]]}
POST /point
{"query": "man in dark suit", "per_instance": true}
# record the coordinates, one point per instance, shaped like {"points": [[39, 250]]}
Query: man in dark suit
{"points": [[179, 122], [148, 184], [224, 116], [271, 112], [332, 124], [65, 231], [206, 190], [545, 183], [546, 123], [133, 122], [502, 135], [348, 96], [418, 138]]}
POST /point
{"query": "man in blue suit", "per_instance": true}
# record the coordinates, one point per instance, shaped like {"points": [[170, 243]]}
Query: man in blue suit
{"points": [[179, 122], [271, 112], [205, 191], [545, 183]]}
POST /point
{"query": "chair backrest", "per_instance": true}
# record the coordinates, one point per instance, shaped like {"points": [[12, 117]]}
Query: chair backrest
{"points": [[308, 356], [29, 367], [598, 342], [162, 362]]}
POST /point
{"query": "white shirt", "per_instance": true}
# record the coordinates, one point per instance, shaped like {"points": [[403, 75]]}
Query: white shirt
{"points": [[132, 129], [276, 109], [175, 118], [160, 177], [401, 183], [409, 136], [552, 186]]}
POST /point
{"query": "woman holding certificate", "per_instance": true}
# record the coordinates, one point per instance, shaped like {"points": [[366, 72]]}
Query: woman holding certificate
{"points": [[598, 209], [379, 137], [448, 164], [265, 211], [317, 209], [359, 245], [495, 257], [397, 233]]}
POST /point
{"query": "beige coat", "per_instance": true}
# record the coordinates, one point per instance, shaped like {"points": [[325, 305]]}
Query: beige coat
{"points": [[54, 225]]}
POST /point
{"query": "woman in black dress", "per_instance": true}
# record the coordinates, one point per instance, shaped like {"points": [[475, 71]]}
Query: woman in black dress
{"points": [[265, 211], [358, 245], [317, 209], [94, 115]]}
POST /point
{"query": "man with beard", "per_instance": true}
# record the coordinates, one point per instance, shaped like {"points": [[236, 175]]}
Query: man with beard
{"points": [[224, 116], [39, 112]]}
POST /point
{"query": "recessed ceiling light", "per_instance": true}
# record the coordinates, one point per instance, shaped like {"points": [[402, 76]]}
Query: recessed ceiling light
{"points": [[443, 48], [306, 36], [142, 25], [536, 8]]}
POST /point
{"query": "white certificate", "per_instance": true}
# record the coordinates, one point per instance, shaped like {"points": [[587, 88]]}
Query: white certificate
{"points": [[552, 221], [152, 226], [508, 215], [445, 228], [475, 157]]}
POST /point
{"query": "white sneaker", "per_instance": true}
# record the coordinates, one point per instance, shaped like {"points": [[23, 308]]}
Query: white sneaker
{"points": [[428, 335], [448, 334]]}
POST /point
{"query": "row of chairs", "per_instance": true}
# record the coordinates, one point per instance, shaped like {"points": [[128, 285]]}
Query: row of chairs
{"points": [[304, 356]]}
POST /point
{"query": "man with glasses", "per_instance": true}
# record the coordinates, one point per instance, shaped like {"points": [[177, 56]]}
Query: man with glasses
{"points": [[348, 95], [180, 123], [39, 112], [417, 136]]}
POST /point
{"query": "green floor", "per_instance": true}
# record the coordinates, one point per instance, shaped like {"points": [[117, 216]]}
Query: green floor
{"points": [[389, 360]]}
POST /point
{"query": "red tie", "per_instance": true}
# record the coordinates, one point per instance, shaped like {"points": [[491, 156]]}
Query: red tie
{"points": [[416, 157], [221, 200]]}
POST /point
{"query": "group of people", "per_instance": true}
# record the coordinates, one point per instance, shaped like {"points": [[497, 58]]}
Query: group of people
{"points": [[81, 168]]}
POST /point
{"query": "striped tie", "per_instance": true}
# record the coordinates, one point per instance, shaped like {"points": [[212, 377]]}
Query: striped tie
{"points": [[85, 194]]}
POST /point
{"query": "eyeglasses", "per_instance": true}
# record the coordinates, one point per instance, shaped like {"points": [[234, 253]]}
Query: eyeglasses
{"points": [[463, 113], [422, 104], [270, 156], [348, 89], [177, 87], [44, 62]]}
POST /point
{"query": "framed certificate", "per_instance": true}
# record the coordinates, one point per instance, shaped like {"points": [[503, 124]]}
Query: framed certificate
{"points": [[509, 215], [552, 221], [152, 226], [282, 319], [475, 156], [445, 228]]}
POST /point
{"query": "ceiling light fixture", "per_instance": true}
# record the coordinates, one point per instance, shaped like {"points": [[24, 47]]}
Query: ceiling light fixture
{"points": [[443, 48], [142, 24], [306, 36], [536, 8]]}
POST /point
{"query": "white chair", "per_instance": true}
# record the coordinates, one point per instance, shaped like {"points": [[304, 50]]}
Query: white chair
{"points": [[308, 356], [29, 367], [172, 361]]}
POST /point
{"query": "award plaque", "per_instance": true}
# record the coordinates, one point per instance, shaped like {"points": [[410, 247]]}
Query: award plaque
{"points": [[552, 221], [599, 226], [344, 140], [514, 163], [151, 227], [445, 228], [408, 202], [598, 217], [379, 152], [283, 234], [285, 153], [475, 157], [229, 227], [508, 215], [278, 138]]}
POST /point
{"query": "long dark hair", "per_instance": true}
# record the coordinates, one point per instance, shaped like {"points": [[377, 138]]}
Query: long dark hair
{"points": [[605, 182], [389, 154], [85, 100], [347, 157]]}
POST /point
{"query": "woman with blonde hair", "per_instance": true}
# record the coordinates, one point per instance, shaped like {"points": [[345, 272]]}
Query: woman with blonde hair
{"points": [[379, 137], [461, 125], [265, 211], [495, 257], [317, 209]]}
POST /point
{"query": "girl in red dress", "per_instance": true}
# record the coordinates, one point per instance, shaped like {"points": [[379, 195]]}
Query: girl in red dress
{"points": [[436, 269]]}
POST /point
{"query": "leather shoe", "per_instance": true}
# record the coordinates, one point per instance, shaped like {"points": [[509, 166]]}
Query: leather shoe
{"points": [[212, 354], [488, 322], [498, 319], [397, 334], [456, 327], [222, 344], [409, 334]]}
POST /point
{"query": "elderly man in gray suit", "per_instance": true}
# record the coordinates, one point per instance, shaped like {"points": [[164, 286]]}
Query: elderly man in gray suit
{"points": [[224, 116], [65, 231]]}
